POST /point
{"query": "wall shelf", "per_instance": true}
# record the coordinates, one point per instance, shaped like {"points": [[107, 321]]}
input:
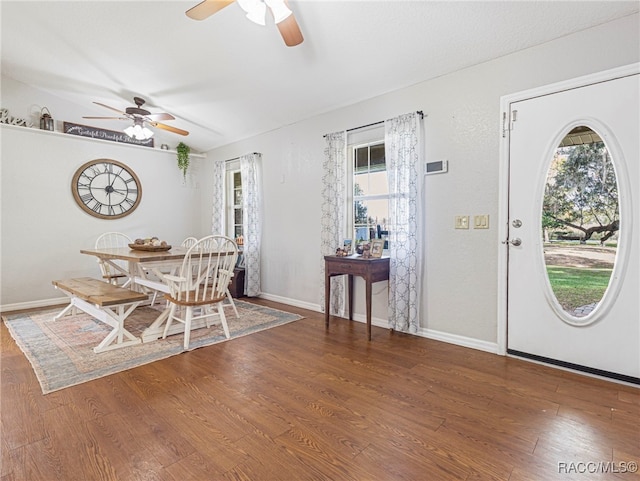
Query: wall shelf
{"points": [[38, 131]]}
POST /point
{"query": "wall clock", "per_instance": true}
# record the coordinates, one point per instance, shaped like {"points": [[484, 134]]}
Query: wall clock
{"points": [[106, 189]]}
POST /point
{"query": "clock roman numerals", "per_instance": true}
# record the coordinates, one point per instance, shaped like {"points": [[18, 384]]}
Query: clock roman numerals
{"points": [[84, 179], [96, 206]]}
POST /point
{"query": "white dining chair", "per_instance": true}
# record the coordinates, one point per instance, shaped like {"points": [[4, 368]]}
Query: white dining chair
{"points": [[202, 284], [111, 274], [188, 242]]}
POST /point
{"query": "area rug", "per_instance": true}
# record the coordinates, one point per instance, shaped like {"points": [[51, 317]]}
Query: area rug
{"points": [[61, 352]]}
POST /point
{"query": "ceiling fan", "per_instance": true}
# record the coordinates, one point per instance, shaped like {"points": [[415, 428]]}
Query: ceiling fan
{"points": [[256, 12], [140, 118]]}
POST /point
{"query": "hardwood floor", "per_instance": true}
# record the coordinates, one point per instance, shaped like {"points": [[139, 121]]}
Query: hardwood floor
{"points": [[298, 403]]}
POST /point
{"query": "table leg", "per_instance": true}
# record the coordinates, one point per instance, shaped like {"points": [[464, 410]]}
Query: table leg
{"points": [[135, 270], [64, 311], [327, 297], [350, 291], [368, 307]]}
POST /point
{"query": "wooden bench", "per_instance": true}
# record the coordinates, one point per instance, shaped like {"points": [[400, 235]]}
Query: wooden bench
{"points": [[106, 302]]}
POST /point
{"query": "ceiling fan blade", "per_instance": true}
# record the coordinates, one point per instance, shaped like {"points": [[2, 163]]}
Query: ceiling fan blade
{"points": [[207, 8], [169, 128], [112, 108], [160, 116], [107, 118], [290, 31]]}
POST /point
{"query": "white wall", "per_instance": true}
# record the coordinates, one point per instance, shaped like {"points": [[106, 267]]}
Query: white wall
{"points": [[43, 229], [462, 124]]}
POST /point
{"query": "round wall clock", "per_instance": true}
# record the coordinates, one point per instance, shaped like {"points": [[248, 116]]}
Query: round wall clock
{"points": [[106, 189]]}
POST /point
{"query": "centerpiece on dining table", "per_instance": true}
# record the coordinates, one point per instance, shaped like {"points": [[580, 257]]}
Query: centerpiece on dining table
{"points": [[152, 244]]}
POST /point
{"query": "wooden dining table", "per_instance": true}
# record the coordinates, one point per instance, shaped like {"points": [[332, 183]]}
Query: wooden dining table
{"points": [[137, 258], [141, 266]]}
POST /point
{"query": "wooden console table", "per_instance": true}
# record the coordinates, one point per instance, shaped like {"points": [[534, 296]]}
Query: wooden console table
{"points": [[372, 270]]}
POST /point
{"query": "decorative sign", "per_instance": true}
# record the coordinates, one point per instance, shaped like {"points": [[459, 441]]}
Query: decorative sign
{"points": [[5, 118], [103, 134]]}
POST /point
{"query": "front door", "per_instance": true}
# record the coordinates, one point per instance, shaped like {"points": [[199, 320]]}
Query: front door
{"points": [[574, 221]]}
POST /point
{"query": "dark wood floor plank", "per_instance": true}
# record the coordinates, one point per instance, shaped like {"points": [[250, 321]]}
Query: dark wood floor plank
{"points": [[304, 412], [119, 442], [300, 402], [248, 408], [153, 432], [19, 391], [483, 460], [270, 461]]}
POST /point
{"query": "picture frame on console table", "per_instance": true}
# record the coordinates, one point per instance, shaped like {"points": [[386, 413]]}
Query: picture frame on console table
{"points": [[377, 246], [347, 247]]}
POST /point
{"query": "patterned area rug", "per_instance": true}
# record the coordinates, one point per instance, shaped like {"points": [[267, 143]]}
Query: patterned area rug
{"points": [[61, 352]]}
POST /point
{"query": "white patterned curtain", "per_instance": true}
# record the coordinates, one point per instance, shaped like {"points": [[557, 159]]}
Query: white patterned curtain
{"points": [[217, 216], [252, 222], [402, 152], [333, 215]]}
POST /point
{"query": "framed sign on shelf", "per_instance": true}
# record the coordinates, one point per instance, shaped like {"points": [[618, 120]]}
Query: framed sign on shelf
{"points": [[103, 134]]}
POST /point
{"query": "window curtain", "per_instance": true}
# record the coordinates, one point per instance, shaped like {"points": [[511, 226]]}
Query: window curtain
{"points": [[252, 222], [402, 154], [333, 215], [217, 216]]}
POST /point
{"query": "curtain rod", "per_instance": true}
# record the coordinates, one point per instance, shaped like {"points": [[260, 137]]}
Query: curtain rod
{"points": [[238, 158], [419, 112]]}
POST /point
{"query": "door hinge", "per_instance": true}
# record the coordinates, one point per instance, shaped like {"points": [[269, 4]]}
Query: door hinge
{"points": [[504, 124], [505, 127]]}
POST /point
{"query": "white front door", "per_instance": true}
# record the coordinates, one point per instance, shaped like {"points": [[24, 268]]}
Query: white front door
{"points": [[607, 340]]}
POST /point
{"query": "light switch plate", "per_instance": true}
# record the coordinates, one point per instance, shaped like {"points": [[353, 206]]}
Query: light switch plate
{"points": [[462, 222]]}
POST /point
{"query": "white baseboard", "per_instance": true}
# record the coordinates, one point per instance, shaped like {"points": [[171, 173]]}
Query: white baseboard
{"points": [[456, 339], [290, 302], [18, 306]]}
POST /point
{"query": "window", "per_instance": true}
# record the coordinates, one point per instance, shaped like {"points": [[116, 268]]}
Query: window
{"points": [[370, 212], [233, 201]]}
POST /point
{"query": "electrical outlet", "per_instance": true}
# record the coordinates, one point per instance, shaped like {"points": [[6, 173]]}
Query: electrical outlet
{"points": [[480, 221]]}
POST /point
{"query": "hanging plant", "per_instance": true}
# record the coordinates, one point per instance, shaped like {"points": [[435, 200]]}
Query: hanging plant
{"points": [[183, 151]]}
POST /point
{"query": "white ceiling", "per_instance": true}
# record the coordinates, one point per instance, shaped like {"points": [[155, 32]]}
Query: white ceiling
{"points": [[225, 78]]}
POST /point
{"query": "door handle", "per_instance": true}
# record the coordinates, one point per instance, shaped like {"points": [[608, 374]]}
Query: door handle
{"points": [[516, 241]]}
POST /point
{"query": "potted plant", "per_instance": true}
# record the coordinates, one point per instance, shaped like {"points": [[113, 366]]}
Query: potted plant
{"points": [[183, 151]]}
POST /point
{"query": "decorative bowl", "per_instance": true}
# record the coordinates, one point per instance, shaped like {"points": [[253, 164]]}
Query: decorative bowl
{"points": [[148, 248]]}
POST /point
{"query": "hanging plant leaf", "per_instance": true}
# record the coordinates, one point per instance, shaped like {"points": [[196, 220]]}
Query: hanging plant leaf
{"points": [[183, 151]]}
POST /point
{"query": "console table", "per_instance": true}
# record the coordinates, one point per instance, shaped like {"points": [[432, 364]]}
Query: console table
{"points": [[371, 270]]}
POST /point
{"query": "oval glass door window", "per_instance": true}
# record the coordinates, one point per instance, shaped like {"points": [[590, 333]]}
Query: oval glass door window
{"points": [[580, 223]]}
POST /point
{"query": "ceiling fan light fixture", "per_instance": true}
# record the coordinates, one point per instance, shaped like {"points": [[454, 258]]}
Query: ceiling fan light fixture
{"points": [[137, 131], [279, 9], [148, 133], [256, 10]]}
